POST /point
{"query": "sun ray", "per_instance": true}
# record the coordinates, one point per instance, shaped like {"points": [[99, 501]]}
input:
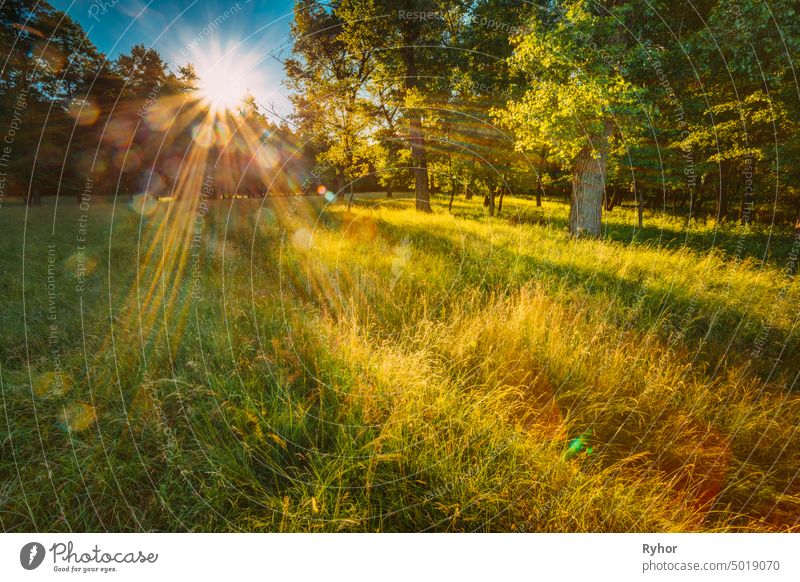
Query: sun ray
{"points": [[226, 76]]}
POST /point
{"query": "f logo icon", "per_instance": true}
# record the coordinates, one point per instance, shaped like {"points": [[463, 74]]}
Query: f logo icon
{"points": [[31, 555]]}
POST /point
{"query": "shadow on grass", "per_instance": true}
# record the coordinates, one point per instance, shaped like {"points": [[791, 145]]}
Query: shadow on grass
{"points": [[712, 332], [758, 243]]}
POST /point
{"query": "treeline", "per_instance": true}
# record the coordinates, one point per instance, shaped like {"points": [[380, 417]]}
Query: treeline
{"points": [[72, 120], [686, 107]]}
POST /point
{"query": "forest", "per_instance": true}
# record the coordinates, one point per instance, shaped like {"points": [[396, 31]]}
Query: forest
{"points": [[689, 110]]}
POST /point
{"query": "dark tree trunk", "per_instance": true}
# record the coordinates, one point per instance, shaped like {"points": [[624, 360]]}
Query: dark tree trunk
{"points": [[683, 200], [467, 191], [614, 198], [488, 201], [637, 200], [417, 141], [539, 190], [696, 204], [722, 205], [452, 179], [723, 200], [388, 191], [350, 198], [747, 206], [588, 185], [35, 196], [539, 185], [640, 214]]}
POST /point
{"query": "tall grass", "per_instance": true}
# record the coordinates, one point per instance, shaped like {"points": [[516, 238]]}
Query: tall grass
{"points": [[301, 369]]}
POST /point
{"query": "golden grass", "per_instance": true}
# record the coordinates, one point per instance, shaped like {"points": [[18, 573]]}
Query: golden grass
{"points": [[379, 370]]}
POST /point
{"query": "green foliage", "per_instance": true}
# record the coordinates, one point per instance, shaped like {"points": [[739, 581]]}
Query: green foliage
{"points": [[700, 120], [328, 74], [575, 87]]}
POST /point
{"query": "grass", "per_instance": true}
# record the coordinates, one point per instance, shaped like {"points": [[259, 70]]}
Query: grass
{"points": [[298, 369]]}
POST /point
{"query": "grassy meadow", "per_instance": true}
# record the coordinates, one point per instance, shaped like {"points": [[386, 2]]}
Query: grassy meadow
{"points": [[280, 366]]}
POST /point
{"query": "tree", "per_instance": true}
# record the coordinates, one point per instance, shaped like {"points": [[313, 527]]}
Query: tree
{"points": [[143, 69], [484, 81], [578, 97], [748, 104], [390, 159], [328, 73], [411, 38], [44, 87]]}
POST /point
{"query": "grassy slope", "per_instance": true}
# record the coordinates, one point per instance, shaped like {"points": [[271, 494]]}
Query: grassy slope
{"points": [[383, 370]]}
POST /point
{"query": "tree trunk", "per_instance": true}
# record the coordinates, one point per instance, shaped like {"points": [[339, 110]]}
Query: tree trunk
{"points": [[539, 186], [417, 141], [388, 191], [640, 213], [452, 195], [746, 206], [500, 201], [488, 201], [35, 196], [588, 185], [722, 209], [722, 199], [350, 199], [684, 199], [539, 191], [419, 163], [452, 178], [613, 198], [467, 191], [696, 203]]}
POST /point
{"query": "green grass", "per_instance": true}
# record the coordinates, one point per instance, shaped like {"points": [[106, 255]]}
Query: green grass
{"points": [[382, 370]]}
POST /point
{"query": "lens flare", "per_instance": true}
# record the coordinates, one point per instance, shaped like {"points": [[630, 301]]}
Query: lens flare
{"points": [[226, 76]]}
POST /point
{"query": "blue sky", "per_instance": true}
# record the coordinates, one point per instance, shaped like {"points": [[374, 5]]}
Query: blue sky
{"points": [[248, 34]]}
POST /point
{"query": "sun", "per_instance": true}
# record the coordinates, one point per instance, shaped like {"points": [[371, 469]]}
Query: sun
{"points": [[222, 87], [227, 75]]}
